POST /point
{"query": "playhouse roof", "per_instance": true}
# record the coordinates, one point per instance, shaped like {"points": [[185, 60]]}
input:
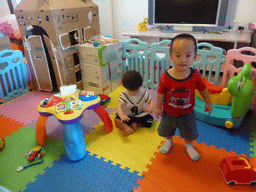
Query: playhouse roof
{"points": [[33, 5]]}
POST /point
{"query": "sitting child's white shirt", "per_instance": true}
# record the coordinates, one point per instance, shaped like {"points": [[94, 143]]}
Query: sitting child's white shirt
{"points": [[134, 105]]}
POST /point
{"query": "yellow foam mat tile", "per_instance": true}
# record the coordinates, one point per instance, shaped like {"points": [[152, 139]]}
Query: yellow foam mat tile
{"points": [[114, 97], [134, 151]]}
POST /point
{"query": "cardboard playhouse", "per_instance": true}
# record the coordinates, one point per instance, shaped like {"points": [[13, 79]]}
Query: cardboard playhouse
{"points": [[51, 30]]}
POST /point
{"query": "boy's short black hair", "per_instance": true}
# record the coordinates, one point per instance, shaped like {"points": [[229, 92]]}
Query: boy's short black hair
{"points": [[132, 80], [184, 36]]}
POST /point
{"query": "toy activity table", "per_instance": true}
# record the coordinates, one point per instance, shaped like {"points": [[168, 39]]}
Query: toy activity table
{"points": [[68, 109]]}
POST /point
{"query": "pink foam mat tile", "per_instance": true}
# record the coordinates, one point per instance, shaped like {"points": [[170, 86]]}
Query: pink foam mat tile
{"points": [[23, 109]]}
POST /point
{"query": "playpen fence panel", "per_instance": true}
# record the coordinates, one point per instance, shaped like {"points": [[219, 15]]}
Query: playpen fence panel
{"points": [[246, 55], [239, 55], [209, 66], [13, 75]]}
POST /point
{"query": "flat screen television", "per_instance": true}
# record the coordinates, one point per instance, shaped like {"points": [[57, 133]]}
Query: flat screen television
{"points": [[209, 13]]}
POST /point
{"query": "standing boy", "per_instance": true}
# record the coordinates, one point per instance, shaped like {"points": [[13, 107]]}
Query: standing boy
{"points": [[176, 92]]}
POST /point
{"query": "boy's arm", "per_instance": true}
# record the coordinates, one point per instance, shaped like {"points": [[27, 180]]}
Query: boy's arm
{"points": [[208, 104], [120, 112], [119, 108], [151, 106], [159, 103], [205, 94]]}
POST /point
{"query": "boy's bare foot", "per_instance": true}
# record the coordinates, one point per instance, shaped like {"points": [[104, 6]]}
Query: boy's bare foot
{"points": [[134, 125], [128, 131]]}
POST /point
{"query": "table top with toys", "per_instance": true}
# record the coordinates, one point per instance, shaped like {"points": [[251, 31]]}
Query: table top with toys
{"points": [[69, 105]]}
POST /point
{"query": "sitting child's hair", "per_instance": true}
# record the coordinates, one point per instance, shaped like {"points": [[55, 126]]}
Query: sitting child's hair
{"points": [[132, 80], [184, 36]]}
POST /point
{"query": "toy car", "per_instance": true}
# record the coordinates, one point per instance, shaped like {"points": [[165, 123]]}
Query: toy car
{"points": [[238, 170]]}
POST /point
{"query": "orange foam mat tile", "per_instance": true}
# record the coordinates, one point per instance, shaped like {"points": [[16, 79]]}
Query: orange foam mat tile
{"points": [[175, 171], [8, 125]]}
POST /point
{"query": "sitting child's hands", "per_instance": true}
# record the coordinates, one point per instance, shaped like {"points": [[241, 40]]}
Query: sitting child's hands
{"points": [[208, 107], [149, 110], [158, 112], [124, 118]]}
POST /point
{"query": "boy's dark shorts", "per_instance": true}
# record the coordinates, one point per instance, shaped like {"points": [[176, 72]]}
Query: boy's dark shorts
{"points": [[185, 123], [145, 121]]}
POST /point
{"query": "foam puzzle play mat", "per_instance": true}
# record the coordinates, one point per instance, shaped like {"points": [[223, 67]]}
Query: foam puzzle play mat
{"points": [[58, 107], [113, 162]]}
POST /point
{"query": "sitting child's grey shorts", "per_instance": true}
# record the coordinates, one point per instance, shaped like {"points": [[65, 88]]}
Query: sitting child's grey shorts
{"points": [[185, 123]]}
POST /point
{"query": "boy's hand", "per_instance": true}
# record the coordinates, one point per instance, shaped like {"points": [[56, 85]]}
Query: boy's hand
{"points": [[159, 112], [149, 110], [208, 107], [124, 118]]}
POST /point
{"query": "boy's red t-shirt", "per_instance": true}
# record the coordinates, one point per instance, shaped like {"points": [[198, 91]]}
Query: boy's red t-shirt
{"points": [[180, 93]]}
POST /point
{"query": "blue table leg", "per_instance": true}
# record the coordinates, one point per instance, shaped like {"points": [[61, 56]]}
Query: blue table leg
{"points": [[74, 142]]}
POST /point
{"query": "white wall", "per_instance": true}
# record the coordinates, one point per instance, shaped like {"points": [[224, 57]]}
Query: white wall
{"points": [[128, 14], [106, 17], [4, 8], [245, 12]]}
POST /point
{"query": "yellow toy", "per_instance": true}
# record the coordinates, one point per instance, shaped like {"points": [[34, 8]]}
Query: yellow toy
{"points": [[142, 25]]}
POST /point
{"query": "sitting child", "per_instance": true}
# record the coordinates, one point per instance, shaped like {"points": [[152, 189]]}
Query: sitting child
{"points": [[131, 113]]}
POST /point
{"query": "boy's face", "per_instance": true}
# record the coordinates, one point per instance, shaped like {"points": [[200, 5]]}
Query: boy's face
{"points": [[183, 54]]}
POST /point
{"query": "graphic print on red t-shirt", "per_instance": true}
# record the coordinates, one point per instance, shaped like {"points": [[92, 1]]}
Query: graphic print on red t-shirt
{"points": [[180, 98]]}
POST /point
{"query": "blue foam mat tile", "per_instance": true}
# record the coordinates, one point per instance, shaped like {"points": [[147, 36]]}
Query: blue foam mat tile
{"points": [[237, 140], [89, 174]]}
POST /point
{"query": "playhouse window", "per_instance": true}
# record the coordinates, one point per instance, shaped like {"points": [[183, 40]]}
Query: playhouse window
{"points": [[74, 37], [78, 76], [76, 59]]}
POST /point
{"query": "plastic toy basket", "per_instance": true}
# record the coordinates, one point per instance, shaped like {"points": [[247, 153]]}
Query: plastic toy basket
{"points": [[13, 75]]}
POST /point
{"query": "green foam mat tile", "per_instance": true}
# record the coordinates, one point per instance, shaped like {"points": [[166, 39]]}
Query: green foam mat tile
{"points": [[14, 155]]}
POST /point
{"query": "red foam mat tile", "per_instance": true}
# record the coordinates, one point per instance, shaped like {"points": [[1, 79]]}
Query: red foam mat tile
{"points": [[7, 126], [177, 172]]}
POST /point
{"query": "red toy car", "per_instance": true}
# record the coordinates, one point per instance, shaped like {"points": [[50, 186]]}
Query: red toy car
{"points": [[238, 170]]}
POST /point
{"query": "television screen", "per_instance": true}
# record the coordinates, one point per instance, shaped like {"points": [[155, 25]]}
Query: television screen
{"points": [[197, 12]]}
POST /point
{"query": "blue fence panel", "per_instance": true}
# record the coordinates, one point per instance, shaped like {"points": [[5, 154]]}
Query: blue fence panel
{"points": [[13, 75], [206, 51]]}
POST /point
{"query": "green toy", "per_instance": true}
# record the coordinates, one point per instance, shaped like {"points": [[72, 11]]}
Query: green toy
{"points": [[230, 116], [241, 87]]}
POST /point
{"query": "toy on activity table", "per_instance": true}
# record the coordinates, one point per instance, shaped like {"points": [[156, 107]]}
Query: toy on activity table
{"points": [[238, 170], [224, 113], [142, 25], [2, 144], [105, 99], [68, 107], [37, 152]]}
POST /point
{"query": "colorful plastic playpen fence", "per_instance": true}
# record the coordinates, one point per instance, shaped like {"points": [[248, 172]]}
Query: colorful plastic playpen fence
{"points": [[152, 62], [139, 57], [13, 75]]}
